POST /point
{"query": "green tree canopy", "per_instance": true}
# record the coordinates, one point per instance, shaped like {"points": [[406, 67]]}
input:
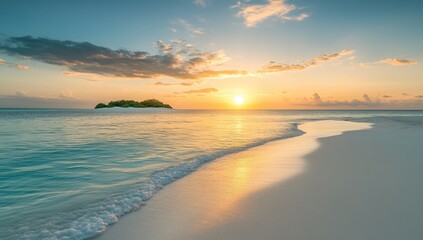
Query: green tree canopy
{"points": [[154, 103]]}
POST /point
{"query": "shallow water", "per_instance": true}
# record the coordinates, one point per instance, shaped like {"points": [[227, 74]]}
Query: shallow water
{"points": [[72, 173]]}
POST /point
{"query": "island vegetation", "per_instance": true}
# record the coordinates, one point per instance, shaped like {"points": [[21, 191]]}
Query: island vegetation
{"points": [[149, 103]]}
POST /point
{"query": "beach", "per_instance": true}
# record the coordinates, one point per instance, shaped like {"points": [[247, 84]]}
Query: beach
{"points": [[340, 180]]}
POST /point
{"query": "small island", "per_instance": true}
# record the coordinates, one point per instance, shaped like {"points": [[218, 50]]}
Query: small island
{"points": [[149, 103]]}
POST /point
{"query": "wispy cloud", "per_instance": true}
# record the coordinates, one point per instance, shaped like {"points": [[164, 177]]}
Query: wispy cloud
{"points": [[178, 59], [389, 61], [278, 67], [199, 91], [14, 65], [254, 14], [190, 28], [236, 5], [202, 3], [66, 95], [175, 84], [397, 62], [22, 67]]}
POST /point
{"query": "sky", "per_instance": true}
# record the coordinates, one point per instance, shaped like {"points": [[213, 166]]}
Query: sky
{"points": [[209, 54]]}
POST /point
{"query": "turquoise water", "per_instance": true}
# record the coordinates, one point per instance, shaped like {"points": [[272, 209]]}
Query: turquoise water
{"points": [[69, 174]]}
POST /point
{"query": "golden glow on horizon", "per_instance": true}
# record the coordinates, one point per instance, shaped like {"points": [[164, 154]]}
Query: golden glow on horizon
{"points": [[239, 100]]}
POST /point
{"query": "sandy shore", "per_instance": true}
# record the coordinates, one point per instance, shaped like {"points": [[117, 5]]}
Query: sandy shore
{"points": [[360, 185]]}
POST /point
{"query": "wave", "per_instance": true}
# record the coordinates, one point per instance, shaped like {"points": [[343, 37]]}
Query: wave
{"points": [[93, 219]]}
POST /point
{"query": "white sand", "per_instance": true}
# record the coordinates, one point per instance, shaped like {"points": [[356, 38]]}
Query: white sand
{"points": [[360, 185]]}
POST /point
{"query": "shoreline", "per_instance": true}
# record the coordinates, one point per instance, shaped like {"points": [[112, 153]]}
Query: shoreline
{"points": [[360, 185], [212, 196]]}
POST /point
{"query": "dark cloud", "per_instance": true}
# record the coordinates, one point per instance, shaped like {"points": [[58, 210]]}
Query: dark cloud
{"points": [[177, 60], [386, 96]]}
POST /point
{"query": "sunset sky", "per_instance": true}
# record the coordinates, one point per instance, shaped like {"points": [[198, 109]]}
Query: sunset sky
{"points": [[202, 54]]}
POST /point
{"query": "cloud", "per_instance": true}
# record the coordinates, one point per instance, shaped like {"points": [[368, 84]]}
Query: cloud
{"points": [[164, 48], [236, 5], [207, 58], [92, 77], [223, 73], [299, 18], [386, 96], [419, 96], [390, 61], [316, 100], [397, 62], [199, 91], [278, 67], [254, 14], [175, 84], [194, 31], [202, 3], [21, 67], [22, 100], [328, 57], [178, 59], [366, 102], [367, 98], [66, 95], [14, 65], [20, 94]]}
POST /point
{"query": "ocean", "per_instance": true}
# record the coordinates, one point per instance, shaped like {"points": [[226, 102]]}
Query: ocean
{"points": [[70, 173]]}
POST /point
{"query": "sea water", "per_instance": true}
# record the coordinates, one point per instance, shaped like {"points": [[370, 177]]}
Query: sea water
{"points": [[70, 174]]}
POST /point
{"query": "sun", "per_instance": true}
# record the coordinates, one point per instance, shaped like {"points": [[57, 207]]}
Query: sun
{"points": [[239, 100]]}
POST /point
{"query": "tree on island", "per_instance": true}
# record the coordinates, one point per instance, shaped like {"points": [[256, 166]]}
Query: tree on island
{"points": [[149, 103]]}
